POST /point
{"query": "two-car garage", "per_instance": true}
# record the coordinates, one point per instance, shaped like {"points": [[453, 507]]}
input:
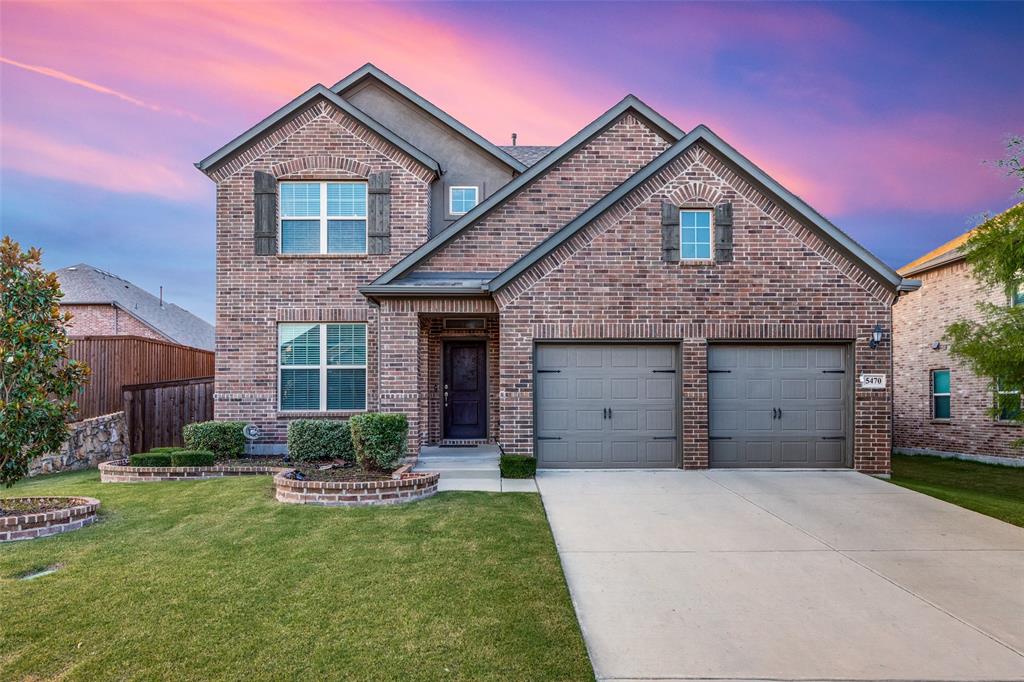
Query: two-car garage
{"points": [[618, 405]]}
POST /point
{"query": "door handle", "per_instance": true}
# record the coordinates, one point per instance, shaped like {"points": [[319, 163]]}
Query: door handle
{"points": [[609, 413]]}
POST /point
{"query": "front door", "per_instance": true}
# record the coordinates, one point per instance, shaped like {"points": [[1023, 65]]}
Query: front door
{"points": [[464, 390]]}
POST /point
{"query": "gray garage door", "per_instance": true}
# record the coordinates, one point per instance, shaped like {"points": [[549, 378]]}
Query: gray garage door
{"points": [[606, 406], [778, 406]]}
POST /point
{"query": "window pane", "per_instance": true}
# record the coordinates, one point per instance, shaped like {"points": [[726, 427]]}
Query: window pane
{"points": [[346, 344], [346, 389], [940, 381], [347, 199], [703, 251], [300, 236], [941, 407], [299, 344], [689, 251], [1009, 406], [688, 219], [1018, 296], [463, 199], [300, 389], [702, 219], [300, 199], [346, 236]]}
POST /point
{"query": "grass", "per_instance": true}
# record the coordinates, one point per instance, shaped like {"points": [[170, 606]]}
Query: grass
{"points": [[990, 489], [216, 580]]}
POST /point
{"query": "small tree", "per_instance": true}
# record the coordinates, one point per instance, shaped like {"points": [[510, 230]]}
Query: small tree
{"points": [[994, 346], [37, 381]]}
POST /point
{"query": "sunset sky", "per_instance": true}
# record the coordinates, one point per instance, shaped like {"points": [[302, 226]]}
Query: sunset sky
{"points": [[880, 116]]}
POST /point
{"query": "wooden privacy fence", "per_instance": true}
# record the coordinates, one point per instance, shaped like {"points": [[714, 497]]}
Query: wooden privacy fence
{"points": [[155, 413], [117, 361]]}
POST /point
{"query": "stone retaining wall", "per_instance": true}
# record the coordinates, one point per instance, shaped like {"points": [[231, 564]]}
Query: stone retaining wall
{"points": [[407, 488], [89, 442], [27, 526]]}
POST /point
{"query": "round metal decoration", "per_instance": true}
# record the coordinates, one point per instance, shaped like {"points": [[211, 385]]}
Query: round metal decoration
{"points": [[251, 432]]}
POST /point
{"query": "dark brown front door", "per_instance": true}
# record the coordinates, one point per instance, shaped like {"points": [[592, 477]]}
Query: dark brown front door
{"points": [[465, 389]]}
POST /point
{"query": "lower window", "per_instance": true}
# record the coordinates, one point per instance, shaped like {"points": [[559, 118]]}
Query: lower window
{"points": [[940, 394], [321, 367], [1007, 402]]}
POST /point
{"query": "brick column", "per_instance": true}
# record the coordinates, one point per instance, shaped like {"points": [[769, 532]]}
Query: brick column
{"points": [[399, 369], [694, 390]]}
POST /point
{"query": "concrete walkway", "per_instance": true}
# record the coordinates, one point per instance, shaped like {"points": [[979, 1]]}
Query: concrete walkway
{"points": [[732, 575], [470, 468]]}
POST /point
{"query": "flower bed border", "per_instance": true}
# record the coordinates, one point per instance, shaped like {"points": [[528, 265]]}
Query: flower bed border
{"points": [[403, 486], [41, 524]]}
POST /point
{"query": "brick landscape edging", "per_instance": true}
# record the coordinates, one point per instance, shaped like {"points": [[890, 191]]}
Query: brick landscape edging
{"points": [[41, 524], [119, 471], [408, 487]]}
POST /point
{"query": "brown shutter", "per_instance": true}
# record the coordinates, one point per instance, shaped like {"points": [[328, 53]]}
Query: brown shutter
{"points": [[378, 213], [669, 232], [264, 190], [723, 233]]}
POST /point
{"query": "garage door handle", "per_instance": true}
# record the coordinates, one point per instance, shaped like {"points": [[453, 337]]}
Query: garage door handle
{"points": [[834, 438], [549, 438], [833, 371], [664, 438], [663, 371]]}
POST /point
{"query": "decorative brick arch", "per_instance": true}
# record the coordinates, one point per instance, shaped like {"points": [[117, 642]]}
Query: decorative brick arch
{"points": [[321, 163], [694, 193]]}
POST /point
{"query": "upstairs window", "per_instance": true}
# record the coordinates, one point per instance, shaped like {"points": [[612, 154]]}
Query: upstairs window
{"points": [[462, 199], [695, 235], [323, 217], [1007, 402], [940, 394], [322, 367]]}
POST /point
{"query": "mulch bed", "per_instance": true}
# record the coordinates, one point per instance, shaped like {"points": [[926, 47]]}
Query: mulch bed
{"points": [[35, 505], [312, 472], [254, 462]]}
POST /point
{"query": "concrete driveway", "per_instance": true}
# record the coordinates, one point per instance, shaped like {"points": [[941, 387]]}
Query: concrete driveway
{"points": [[732, 575]]}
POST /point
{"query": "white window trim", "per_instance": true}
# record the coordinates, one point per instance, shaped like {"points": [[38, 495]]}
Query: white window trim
{"points": [[711, 235], [934, 395], [451, 198], [324, 218], [322, 367]]}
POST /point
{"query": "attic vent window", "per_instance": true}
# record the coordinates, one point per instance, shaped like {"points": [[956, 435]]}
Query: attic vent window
{"points": [[462, 199], [464, 323]]}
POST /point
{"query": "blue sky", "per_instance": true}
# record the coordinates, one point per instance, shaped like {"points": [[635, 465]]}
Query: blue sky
{"points": [[879, 115]]}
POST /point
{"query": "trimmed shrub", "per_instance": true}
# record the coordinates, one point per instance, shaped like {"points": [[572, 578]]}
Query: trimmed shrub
{"points": [[150, 459], [192, 458], [518, 466], [313, 439], [168, 448], [379, 439], [224, 439]]}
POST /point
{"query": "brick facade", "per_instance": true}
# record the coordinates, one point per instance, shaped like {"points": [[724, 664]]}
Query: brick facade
{"points": [[608, 281], [107, 320], [920, 318]]}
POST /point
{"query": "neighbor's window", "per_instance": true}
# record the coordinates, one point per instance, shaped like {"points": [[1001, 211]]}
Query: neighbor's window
{"points": [[695, 235], [322, 366], [1007, 402], [462, 199], [1018, 296], [323, 217], [940, 394]]}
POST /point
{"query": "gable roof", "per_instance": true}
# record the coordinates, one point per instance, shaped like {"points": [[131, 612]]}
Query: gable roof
{"points": [[528, 154], [704, 134], [630, 103], [370, 71], [284, 113], [84, 284]]}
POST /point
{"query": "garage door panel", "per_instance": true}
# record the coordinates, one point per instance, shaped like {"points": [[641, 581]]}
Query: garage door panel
{"points": [[607, 405], [792, 407]]}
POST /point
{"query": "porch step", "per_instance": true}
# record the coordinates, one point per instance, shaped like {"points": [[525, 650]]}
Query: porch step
{"points": [[474, 468]]}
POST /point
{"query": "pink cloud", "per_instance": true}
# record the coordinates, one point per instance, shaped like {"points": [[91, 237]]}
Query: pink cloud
{"points": [[39, 154]]}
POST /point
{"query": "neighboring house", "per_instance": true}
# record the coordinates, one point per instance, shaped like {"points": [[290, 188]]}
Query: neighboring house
{"points": [[103, 304], [941, 406], [639, 296]]}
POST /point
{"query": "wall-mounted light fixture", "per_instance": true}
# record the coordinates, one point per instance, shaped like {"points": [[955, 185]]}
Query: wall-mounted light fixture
{"points": [[876, 336]]}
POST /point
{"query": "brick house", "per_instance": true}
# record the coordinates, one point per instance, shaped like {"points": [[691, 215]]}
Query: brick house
{"points": [[639, 296], [940, 406], [104, 304]]}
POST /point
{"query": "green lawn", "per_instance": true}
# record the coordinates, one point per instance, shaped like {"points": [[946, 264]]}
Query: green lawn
{"points": [[991, 489], [217, 580]]}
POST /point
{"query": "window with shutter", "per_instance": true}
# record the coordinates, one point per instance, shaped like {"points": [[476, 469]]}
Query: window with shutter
{"points": [[323, 217], [322, 367]]}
